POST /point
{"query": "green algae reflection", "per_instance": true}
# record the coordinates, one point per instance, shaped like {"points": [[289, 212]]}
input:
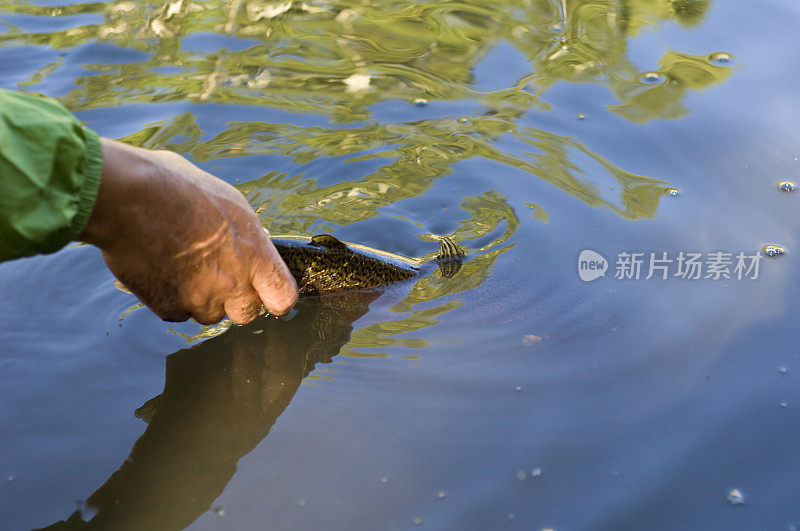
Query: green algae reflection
{"points": [[340, 59]]}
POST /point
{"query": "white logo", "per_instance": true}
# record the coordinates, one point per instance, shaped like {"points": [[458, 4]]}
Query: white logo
{"points": [[591, 265]]}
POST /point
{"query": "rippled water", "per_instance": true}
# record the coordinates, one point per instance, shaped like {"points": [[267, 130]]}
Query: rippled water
{"points": [[514, 394]]}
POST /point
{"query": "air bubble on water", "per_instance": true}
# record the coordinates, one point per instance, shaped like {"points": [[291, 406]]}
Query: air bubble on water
{"points": [[219, 511], [518, 388], [581, 116], [441, 495], [10, 479], [672, 192], [302, 503], [417, 521], [772, 250], [530, 340], [784, 405], [384, 480], [783, 370], [536, 472], [510, 516], [521, 475], [720, 59], [463, 120], [421, 102], [735, 497], [652, 78], [787, 186]]}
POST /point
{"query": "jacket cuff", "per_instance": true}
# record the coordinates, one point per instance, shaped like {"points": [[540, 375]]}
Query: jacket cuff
{"points": [[93, 171]]}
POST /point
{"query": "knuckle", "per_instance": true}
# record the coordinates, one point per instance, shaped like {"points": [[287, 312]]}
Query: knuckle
{"points": [[167, 154], [195, 299]]}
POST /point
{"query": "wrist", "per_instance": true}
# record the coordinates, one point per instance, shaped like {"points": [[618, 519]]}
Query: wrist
{"points": [[121, 183]]}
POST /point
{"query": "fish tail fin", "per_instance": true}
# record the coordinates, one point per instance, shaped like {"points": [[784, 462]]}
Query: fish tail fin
{"points": [[448, 249], [449, 257]]}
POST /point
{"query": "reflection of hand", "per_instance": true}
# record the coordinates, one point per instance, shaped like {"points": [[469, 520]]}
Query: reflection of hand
{"points": [[184, 242]]}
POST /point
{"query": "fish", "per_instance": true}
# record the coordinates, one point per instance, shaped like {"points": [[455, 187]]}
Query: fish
{"points": [[323, 264]]}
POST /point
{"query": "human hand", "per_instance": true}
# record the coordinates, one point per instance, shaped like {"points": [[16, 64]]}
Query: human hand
{"points": [[183, 241]]}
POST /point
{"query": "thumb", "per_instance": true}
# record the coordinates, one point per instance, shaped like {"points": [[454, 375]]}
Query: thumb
{"points": [[273, 282]]}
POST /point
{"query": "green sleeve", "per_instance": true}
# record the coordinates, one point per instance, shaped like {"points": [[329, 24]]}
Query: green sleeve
{"points": [[50, 168]]}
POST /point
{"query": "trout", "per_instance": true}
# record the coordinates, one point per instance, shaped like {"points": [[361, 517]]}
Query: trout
{"points": [[323, 264]]}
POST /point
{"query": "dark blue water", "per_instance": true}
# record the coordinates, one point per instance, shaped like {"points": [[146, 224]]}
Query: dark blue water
{"points": [[640, 403]]}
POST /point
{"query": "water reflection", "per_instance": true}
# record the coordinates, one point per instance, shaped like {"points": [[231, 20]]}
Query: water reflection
{"points": [[681, 72], [339, 58], [347, 62], [417, 154], [220, 400]]}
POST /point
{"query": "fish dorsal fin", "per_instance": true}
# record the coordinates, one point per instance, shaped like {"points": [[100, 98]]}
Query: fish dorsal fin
{"points": [[449, 257], [326, 240]]}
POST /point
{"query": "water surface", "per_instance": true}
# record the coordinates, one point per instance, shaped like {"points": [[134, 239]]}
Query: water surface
{"points": [[527, 131]]}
